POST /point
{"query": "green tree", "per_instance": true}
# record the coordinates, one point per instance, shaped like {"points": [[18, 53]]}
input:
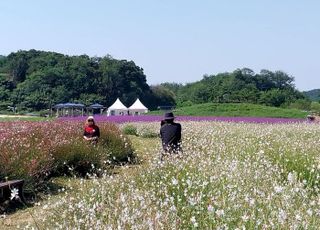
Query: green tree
{"points": [[273, 97], [303, 104], [163, 96], [315, 107], [173, 87]]}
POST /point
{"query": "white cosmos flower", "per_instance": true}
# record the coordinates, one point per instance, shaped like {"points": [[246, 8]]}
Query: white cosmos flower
{"points": [[278, 189], [282, 216], [210, 208], [291, 177], [245, 217], [298, 217], [174, 181], [220, 212], [309, 212], [14, 194]]}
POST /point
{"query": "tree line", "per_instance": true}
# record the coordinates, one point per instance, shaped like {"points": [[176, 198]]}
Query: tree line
{"points": [[314, 94], [36, 80], [242, 85]]}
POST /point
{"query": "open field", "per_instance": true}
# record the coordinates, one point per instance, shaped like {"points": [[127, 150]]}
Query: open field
{"points": [[231, 175]]}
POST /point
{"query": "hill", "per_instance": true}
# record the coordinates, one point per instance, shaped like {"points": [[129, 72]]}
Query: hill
{"points": [[314, 94], [238, 110], [36, 80], [240, 86]]}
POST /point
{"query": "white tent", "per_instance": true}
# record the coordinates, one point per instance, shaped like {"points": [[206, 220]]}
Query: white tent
{"points": [[137, 108], [117, 108]]}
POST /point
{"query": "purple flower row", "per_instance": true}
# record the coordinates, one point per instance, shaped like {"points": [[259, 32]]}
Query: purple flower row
{"points": [[154, 118]]}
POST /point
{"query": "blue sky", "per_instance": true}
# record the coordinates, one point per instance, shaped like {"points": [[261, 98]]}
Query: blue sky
{"points": [[174, 40]]}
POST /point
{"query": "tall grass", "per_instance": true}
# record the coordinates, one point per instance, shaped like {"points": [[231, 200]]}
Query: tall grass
{"points": [[34, 151]]}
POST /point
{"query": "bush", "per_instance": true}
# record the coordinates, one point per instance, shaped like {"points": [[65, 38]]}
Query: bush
{"points": [[186, 103], [302, 104], [130, 130], [148, 133], [77, 158], [118, 146], [315, 107]]}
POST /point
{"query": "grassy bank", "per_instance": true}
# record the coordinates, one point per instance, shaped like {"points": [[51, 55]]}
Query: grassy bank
{"points": [[237, 110], [5, 118]]}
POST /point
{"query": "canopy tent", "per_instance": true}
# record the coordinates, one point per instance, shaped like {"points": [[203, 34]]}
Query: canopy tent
{"points": [[117, 108], [69, 109], [137, 108], [95, 108], [58, 106], [166, 107]]}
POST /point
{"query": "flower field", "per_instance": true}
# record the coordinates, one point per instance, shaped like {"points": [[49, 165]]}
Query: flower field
{"points": [[155, 118], [230, 176], [35, 151]]}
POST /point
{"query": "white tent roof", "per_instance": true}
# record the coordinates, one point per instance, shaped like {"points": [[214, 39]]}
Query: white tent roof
{"points": [[117, 105], [137, 105]]}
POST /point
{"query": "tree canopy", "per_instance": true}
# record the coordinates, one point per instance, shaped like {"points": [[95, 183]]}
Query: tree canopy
{"points": [[242, 85]]}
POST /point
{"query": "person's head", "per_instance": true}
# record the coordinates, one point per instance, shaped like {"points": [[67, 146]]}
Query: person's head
{"points": [[310, 118], [168, 117], [90, 121]]}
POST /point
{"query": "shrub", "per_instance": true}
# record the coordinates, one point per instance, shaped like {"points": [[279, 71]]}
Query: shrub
{"points": [[302, 104], [78, 158], [130, 130], [148, 133], [82, 157], [315, 107], [118, 146]]}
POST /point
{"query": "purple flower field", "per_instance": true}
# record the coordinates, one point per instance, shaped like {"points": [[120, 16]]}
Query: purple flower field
{"points": [[155, 118]]}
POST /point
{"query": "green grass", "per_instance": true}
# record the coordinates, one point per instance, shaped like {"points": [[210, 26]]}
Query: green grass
{"points": [[26, 118], [237, 110]]}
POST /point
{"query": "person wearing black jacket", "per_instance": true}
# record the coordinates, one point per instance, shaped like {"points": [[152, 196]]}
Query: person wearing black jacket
{"points": [[170, 133]]}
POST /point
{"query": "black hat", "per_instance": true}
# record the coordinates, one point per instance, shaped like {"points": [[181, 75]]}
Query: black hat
{"points": [[169, 116]]}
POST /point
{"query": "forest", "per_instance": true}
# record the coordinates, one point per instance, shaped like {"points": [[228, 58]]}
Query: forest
{"points": [[36, 80]]}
